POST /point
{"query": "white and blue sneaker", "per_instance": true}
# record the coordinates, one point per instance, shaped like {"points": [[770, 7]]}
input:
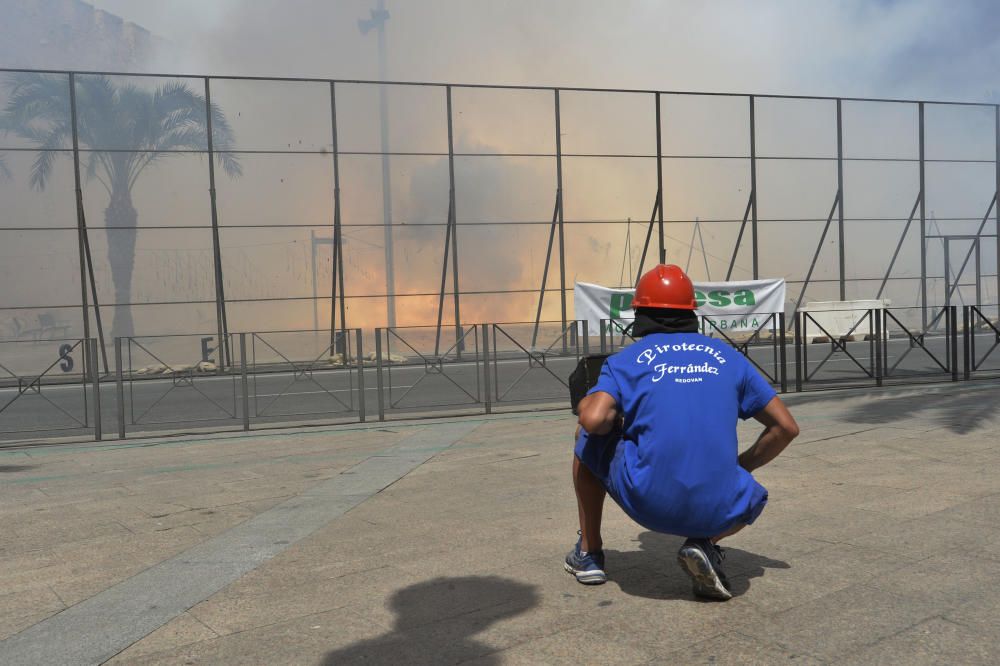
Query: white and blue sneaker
{"points": [[702, 561], [587, 567]]}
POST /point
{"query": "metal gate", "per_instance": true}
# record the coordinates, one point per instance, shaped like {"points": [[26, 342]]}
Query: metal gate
{"points": [[532, 362], [47, 388], [981, 327], [843, 360], [303, 375], [418, 371]]}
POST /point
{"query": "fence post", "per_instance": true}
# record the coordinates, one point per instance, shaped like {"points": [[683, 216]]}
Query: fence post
{"points": [[361, 377], [798, 351], [953, 335], [967, 335], [486, 368], [782, 369], [120, 388], [95, 378], [378, 374], [586, 336], [243, 381], [878, 316]]}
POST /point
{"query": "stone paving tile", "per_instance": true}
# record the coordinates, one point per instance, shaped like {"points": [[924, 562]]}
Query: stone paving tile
{"points": [[180, 632], [915, 503], [849, 619], [979, 613], [82, 579], [303, 640], [946, 580], [26, 605], [834, 525], [934, 641], [736, 648], [256, 600], [35, 535], [813, 576], [980, 511], [12, 622], [581, 645], [925, 536]]}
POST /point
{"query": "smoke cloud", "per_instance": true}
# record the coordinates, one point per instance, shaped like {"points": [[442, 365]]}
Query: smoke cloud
{"points": [[921, 49]]}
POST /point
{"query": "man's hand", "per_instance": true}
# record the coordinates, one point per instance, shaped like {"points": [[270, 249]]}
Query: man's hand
{"points": [[598, 413], [780, 429]]}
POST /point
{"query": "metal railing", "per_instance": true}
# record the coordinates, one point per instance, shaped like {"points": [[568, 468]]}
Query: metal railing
{"points": [[910, 353], [47, 387], [530, 363], [302, 374], [981, 338], [284, 378], [865, 369], [171, 380], [415, 374]]}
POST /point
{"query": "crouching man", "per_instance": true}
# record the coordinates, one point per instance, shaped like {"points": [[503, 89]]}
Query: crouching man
{"points": [[658, 433]]}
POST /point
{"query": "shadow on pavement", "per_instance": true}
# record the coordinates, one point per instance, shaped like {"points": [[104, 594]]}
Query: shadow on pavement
{"points": [[436, 619], [652, 571], [961, 411]]}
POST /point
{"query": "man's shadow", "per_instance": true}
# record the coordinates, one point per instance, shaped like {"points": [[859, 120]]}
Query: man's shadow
{"points": [[436, 619], [652, 571]]}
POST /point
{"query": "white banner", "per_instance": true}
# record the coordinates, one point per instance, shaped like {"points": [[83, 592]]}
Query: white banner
{"points": [[732, 306]]}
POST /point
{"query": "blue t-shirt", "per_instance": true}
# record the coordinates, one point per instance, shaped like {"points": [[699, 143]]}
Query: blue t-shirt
{"points": [[676, 468]]}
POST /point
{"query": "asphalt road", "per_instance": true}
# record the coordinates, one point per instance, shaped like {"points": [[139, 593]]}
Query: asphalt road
{"points": [[156, 404]]}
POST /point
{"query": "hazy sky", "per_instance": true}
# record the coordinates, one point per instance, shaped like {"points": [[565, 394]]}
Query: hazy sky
{"points": [[918, 48]]}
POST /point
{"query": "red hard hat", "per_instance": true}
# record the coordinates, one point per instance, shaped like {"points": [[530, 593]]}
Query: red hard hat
{"points": [[665, 286]]}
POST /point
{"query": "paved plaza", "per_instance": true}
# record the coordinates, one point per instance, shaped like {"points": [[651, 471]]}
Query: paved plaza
{"points": [[441, 541]]}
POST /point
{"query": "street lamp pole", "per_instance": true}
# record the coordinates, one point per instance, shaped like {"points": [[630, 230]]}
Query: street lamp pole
{"points": [[379, 16]]}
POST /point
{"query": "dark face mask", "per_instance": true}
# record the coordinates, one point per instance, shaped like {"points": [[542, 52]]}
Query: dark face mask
{"points": [[658, 320]]}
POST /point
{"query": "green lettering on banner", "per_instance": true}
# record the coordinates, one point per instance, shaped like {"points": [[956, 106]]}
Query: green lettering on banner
{"points": [[620, 302], [719, 298], [699, 298], [744, 297]]}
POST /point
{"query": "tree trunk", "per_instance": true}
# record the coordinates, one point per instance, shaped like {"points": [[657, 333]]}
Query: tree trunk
{"points": [[121, 215]]}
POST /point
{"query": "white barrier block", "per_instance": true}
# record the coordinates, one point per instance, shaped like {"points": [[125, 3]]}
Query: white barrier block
{"points": [[839, 318]]}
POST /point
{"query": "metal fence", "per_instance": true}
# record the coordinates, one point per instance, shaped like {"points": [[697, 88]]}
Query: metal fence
{"points": [[286, 378], [138, 208], [151, 205]]}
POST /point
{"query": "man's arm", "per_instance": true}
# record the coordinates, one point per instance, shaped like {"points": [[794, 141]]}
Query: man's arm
{"points": [[780, 429], [598, 413]]}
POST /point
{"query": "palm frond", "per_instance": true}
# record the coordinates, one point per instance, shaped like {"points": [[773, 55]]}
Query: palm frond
{"points": [[37, 108], [224, 140], [41, 168], [48, 152], [34, 97], [125, 127]]}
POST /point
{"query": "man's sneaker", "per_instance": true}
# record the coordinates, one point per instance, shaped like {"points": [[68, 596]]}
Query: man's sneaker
{"points": [[701, 559], [587, 567]]}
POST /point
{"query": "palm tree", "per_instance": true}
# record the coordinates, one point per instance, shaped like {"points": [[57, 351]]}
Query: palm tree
{"points": [[124, 129]]}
